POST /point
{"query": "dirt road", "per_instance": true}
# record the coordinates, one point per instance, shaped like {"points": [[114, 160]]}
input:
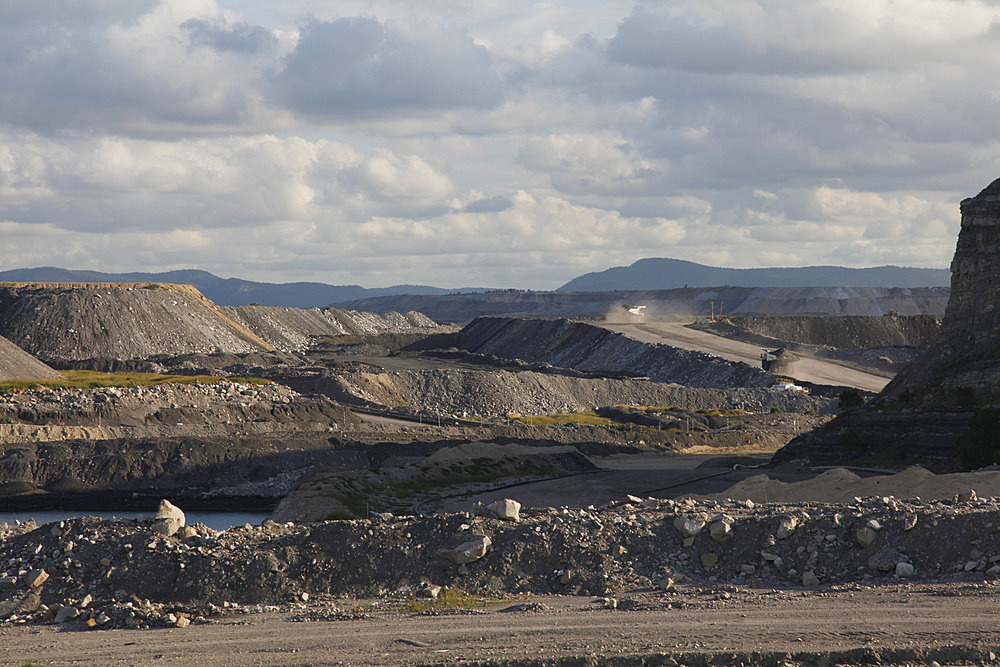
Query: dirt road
{"points": [[808, 370], [884, 625]]}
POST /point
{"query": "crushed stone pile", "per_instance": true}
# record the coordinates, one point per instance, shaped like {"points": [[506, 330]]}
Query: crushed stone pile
{"points": [[16, 364], [840, 485], [581, 346], [118, 321], [128, 574], [294, 329], [495, 393]]}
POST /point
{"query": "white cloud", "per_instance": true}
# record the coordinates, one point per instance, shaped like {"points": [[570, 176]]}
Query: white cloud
{"points": [[508, 143]]}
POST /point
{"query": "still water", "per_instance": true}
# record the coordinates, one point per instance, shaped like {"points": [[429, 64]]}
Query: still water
{"points": [[216, 520]]}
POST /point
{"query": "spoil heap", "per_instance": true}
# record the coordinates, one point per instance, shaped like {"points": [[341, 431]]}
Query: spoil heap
{"points": [[125, 573], [63, 322], [585, 347], [296, 328], [16, 364]]}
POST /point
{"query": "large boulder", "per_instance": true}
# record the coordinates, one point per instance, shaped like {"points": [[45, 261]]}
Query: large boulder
{"points": [[169, 518]]}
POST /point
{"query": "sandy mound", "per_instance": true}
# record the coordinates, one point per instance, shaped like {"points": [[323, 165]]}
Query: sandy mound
{"points": [[840, 485]]}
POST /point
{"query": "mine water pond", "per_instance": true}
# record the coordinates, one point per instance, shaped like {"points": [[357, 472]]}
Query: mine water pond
{"points": [[216, 520]]}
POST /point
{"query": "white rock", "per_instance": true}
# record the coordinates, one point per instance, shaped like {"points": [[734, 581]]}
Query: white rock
{"points": [[904, 569], [721, 531], [786, 527], [168, 510], [467, 552], [689, 527], [506, 509]]}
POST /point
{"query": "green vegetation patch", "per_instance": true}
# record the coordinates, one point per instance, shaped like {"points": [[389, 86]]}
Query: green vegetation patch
{"points": [[95, 379], [452, 598]]}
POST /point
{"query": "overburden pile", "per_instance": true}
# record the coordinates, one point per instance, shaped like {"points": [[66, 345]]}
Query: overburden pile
{"points": [[129, 573]]}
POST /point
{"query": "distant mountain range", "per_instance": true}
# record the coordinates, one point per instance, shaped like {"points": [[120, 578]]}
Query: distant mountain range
{"points": [[231, 291], [665, 273], [645, 274]]}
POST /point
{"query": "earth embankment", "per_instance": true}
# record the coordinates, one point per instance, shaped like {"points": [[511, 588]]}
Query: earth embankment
{"points": [[296, 328], [496, 393], [121, 321], [847, 332], [586, 347]]}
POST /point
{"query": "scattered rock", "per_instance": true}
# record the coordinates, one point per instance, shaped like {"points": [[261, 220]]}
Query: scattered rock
{"points": [[506, 509], [468, 552], [689, 527], [786, 527], [864, 536]]}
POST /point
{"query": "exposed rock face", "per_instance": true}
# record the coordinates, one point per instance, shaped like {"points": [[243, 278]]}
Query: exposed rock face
{"points": [[967, 354], [960, 369]]}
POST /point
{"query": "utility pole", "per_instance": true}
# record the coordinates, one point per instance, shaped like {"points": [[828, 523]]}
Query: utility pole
{"points": [[713, 310]]}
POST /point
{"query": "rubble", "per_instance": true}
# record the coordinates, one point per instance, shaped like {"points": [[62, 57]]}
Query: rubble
{"points": [[123, 574]]}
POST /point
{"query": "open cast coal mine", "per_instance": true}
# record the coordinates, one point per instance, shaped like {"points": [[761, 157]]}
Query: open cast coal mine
{"points": [[602, 490]]}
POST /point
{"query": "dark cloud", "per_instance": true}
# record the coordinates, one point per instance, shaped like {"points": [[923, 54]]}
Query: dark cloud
{"points": [[238, 37], [357, 66]]}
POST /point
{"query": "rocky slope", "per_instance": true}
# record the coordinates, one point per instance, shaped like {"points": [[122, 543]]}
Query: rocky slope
{"points": [[928, 405], [126, 574], [847, 332], [496, 393], [16, 364], [193, 438], [122, 321], [967, 354], [296, 328], [681, 303], [585, 347]]}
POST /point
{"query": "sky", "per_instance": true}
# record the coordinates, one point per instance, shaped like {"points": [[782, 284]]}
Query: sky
{"points": [[496, 143]]}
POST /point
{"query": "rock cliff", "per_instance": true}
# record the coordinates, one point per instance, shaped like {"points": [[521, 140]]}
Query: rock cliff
{"points": [[921, 414], [965, 358]]}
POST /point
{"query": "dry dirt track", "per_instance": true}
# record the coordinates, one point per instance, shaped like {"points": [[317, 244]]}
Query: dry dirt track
{"points": [[807, 370], [896, 624]]}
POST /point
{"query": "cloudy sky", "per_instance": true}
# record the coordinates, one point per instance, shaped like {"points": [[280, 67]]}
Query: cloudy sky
{"points": [[498, 143]]}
